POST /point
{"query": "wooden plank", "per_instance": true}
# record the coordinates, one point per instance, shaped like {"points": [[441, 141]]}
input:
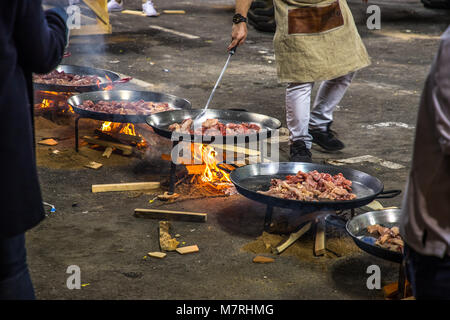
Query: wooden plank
{"points": [[130, 186], [92, 29], [107, 152], [292, 238], [187, 249], [319, 243], [237, 149], [126, 150], [134, 12], [48, 142], [93, 165], [174, 11], [99, 9], [166, 242], [170, 215], [157, 254], [261, 259]]}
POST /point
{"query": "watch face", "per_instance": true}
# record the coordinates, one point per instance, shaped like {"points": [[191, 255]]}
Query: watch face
{"points": [[238, 18]]}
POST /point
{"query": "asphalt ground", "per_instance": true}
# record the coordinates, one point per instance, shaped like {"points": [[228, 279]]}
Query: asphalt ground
{"points": [[98, 232]]}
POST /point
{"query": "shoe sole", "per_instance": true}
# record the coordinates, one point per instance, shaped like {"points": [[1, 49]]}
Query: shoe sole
{"points": [[326, 148]]}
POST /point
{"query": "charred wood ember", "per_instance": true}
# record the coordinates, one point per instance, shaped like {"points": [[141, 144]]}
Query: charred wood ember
{"points": [[311, 186], [213, 127]]}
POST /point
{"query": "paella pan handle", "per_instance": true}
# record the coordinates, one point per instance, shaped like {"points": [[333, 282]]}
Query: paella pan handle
{"points": [[388, 194], [336, 221], [238, 109], [124, 80]]}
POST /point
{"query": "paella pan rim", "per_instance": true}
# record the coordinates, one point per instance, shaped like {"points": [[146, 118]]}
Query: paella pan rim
{"points": [[118, 95], [80, 70], [289, 203], [154, 121]]}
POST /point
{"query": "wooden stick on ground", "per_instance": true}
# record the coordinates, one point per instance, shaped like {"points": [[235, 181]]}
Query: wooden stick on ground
{"points": [[133, 186], [126, 150], [320, 241], [166, 242], [292, 238], [107, 152], [170, 215]]}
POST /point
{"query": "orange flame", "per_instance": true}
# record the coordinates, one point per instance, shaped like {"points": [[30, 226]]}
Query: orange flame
{"points": [[124, 128], [51, 99], [212, 173], [109, 86]]}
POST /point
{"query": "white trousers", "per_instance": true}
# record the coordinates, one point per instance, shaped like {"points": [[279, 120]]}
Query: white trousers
{"points": [[300, 118]]}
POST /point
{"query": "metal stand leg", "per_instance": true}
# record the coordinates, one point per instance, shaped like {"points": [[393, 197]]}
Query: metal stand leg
{"points": [[402, 281], [173, 169], [268, 218], [76, 133]]}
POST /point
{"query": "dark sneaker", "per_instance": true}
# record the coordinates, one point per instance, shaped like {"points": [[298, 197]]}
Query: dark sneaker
{"points": [[326, 139], [299, 152]]}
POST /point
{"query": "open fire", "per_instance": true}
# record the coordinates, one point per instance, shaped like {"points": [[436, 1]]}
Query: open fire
{"points": [[207, 172], [51, 101], [124, 132]]}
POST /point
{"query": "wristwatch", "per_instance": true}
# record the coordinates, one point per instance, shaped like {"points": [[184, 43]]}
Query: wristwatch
{"points": [[238, 18]]}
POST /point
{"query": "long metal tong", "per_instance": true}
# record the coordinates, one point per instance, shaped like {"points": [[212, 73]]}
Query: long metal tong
{"points": [[201, 117]]}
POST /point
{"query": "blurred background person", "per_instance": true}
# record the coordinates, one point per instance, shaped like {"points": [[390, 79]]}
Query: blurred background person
{"points": [[425, 224], [147, 7], [31, 40]]}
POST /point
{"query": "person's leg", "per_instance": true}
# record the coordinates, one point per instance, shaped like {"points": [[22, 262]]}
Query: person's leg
{"points": [[330, 93], [15, 281], [298, 104], [328, 96], [429, 276]]}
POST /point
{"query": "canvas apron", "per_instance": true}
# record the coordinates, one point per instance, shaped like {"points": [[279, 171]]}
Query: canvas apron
{"points": [[316, 40]]}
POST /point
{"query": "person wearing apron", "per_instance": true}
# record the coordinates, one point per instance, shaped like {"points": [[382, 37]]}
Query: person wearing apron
{"points": [[315, 40]]}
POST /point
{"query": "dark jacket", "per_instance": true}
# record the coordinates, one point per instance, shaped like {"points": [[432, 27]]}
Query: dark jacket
{"points": [[425, 224], [30, 41]]}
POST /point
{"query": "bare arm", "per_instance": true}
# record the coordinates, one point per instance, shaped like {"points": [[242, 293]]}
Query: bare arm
{"points": [[239, 31]]}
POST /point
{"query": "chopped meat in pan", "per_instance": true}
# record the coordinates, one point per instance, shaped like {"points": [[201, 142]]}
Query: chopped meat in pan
{"points": [[65, 79], [140, 107], [213, 127], [311, 186]]}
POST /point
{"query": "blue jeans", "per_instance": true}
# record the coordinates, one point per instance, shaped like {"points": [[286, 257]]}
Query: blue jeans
{"points": [[429, 276], [15, 281]]}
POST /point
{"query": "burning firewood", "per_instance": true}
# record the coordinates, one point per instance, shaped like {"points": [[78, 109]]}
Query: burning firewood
{"points": [[126, 150]]}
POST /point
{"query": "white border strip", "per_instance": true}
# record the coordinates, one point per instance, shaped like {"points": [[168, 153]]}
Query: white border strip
{"points": [[367, 158], [181, 34]]}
